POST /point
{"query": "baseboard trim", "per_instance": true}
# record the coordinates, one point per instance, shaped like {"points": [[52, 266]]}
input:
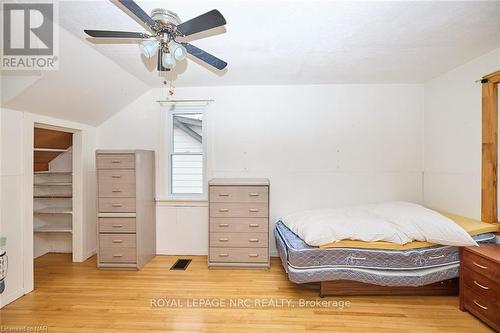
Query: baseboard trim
{"points": [[90, 254], [7, 299], [181, 252], [190, 252]]}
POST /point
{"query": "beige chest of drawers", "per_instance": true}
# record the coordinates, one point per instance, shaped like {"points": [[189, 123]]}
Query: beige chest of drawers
{"points": [[239, 223], [126, 208]]}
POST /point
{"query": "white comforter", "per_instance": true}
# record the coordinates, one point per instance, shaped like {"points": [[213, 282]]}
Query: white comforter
{"points": [[396, 222]]}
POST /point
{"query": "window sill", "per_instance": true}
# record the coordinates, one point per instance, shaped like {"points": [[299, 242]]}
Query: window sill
{"points": [[182, 202]]}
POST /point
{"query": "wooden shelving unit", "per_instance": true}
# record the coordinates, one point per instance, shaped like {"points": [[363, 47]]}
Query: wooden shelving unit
{"points": [[54, 229], [52, 192], [53, 210]]}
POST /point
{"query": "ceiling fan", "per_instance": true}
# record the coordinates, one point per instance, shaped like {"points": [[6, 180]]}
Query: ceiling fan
{"points": [[166, 27]]}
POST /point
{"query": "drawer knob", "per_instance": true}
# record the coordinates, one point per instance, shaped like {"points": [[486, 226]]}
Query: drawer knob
{"points": [[254, 194], [117, 255], [116, 161], [223, 210], [223, 255], [253, 225], [253, 255], [481, 306], [116, 176], [480, 285], [116, 190], [117, 241], [116, 205], [253, 240], [223, 225], [253, 210], [480, 266], [223, 194], [223, 239], [117, 225]]}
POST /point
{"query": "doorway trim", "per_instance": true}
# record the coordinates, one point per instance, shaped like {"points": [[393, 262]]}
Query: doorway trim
{"points": [[489, 164], [30, 122]]}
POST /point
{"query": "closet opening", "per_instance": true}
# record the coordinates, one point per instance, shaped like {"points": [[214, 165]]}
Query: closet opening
{"points": [[52, 194]]}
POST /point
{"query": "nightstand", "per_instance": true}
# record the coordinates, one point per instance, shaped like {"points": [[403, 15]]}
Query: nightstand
{"points": [[480, 283]]}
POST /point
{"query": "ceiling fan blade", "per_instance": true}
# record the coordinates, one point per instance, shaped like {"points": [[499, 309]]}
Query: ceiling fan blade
{"points": [[209, 20], [159, 65], [205, 56], [141, 14], [115, 34]]}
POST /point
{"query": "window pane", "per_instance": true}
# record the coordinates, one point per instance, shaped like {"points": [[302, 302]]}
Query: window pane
{"points": [[187, 130], [187, 174]]}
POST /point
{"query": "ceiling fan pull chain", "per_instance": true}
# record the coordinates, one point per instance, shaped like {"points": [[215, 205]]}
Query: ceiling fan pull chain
{"points": [[171, 89]]}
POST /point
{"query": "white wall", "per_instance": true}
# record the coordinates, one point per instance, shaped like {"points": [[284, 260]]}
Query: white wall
{"points": [[452, 137], [16, 203], [12, 201], [321, 146]]}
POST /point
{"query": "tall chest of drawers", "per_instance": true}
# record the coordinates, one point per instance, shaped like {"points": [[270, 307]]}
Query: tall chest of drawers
{"points": [[239, 223], [480, 283], [126, 208]]}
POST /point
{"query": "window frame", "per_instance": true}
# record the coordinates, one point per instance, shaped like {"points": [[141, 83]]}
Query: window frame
{"points": [[169, 151]]}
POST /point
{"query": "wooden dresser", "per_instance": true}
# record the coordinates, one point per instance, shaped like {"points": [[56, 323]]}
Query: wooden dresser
{"points": [[239, 223], [480, 283], [126, 208]]}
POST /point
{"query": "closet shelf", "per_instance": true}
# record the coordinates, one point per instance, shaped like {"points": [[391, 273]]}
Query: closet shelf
{"points": [[53, 184], [52, 173], [53, 210], [55, 229], [53, 196], [51, 150]]}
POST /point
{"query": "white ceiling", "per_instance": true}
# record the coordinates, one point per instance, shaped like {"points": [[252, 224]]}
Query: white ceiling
{"points": [[306, 42], [267, 42]]}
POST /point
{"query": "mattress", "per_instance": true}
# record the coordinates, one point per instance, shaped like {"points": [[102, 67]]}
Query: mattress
{"points": [[416, 267]]}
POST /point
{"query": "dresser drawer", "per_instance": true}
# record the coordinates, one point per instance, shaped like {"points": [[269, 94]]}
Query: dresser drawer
{"points": [[116, 183], [480, 284], [238, 255], [117, 240], [484, 308], [238, 239], [115, 161], [219, 209], [117, 254], [481, 265], [117, 225], [111, 205], [239, 193], [242, 224]]}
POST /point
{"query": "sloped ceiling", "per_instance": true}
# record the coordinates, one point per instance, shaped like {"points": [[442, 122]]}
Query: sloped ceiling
{"points": [[88, 87], [266, 42]]}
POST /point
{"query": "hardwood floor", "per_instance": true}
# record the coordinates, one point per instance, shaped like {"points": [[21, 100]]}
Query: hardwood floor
{"points": [[76, 297]]}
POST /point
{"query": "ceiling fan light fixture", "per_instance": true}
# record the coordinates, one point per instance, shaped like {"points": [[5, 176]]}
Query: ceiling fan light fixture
{"points": [[178, 50], [168, 60], [164, 27], [149, 47]]}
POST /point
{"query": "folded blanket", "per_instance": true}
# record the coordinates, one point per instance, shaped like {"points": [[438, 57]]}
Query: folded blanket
{"points": [[392, 222]]}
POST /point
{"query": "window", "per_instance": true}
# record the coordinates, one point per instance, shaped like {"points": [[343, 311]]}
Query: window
{"points": [[186, 152]]}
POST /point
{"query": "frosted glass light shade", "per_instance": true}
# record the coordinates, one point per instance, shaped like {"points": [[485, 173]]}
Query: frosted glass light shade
{"points": [[178, 50], [149, 47], [168, 60]]}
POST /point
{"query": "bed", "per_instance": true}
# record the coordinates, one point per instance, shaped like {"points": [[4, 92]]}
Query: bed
{"points": [[350, 270]]}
